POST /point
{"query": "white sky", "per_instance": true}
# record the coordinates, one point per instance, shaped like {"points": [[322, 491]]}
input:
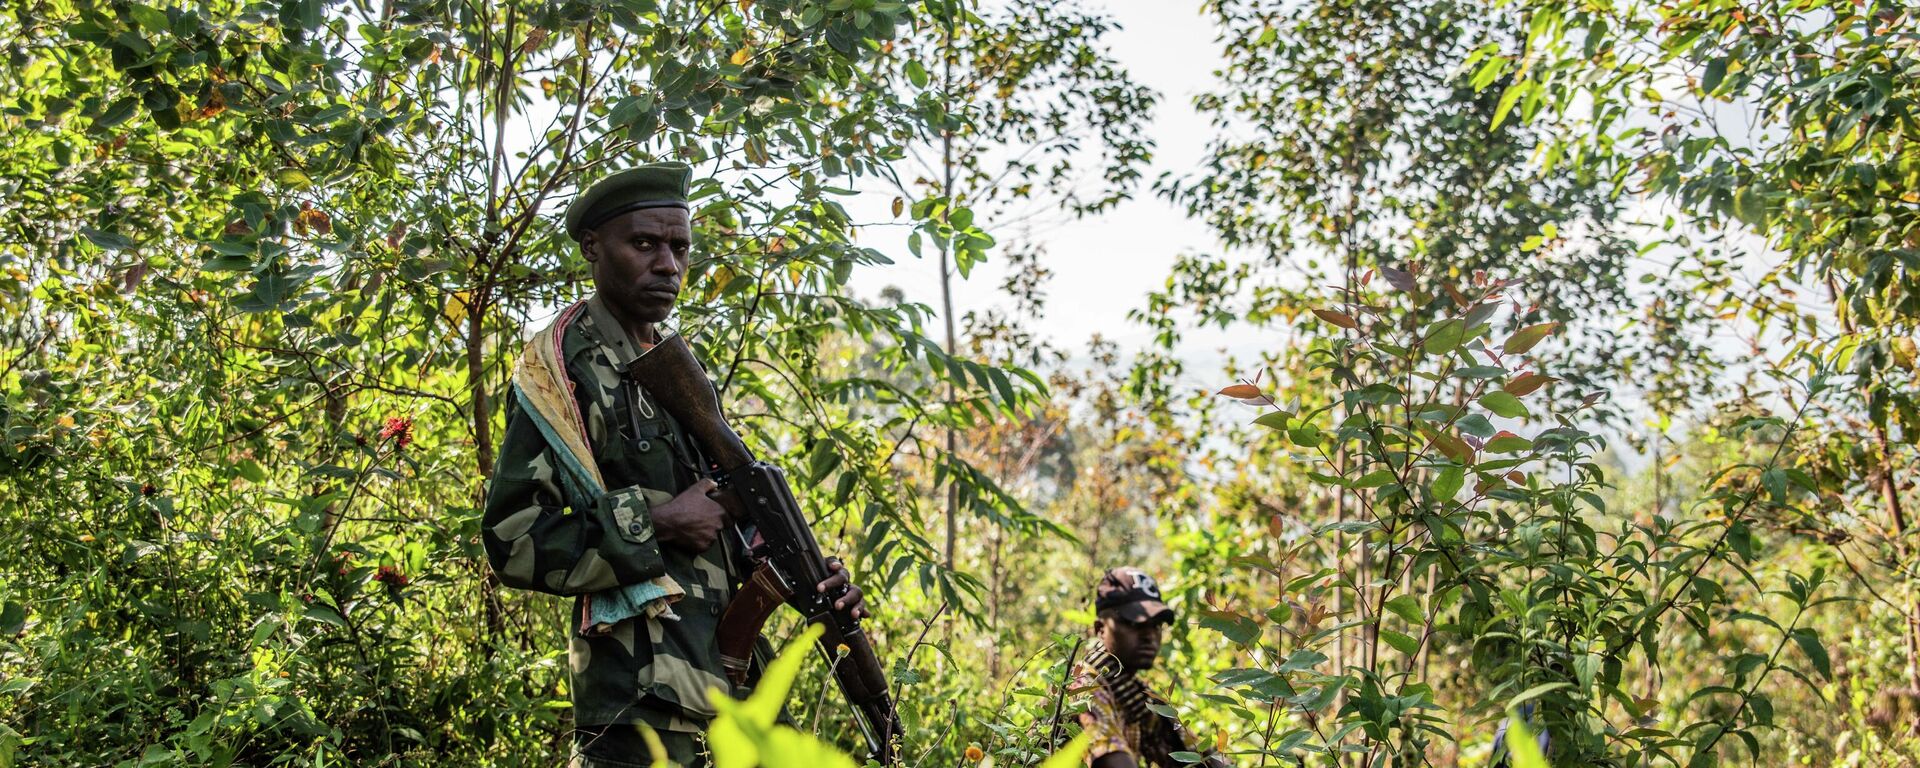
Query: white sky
{"points": [[1104, 265]]}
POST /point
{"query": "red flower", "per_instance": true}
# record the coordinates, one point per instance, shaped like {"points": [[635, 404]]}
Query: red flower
{"points": [[391, 575], [399, 430]]}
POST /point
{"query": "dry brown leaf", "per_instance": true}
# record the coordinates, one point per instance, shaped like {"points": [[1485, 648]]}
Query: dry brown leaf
{"points": [[1337, 318]]}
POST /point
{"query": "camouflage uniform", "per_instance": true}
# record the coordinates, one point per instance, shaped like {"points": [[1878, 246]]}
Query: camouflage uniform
{"points": [[652, 671]]}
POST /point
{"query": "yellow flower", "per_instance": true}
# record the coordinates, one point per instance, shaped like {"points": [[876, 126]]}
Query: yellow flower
{"points": [[1220, 742], [975, 753], [65, 420], [86, 538]]}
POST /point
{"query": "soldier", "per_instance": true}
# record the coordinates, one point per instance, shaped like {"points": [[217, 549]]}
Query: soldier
{"points": [[1130, 621], [599, 495]]}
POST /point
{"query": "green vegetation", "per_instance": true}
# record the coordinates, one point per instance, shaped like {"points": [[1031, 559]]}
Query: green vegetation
{"points": [[1586, 399]]}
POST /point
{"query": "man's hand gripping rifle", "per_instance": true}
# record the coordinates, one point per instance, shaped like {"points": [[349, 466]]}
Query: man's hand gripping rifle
{"points": [[788, 560]]}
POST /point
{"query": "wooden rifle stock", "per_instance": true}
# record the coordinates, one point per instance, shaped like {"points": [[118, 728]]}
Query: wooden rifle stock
{"points": [[789, 560]]}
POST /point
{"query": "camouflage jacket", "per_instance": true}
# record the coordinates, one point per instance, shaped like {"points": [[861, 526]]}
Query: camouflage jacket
{"points": [[651, 670]]}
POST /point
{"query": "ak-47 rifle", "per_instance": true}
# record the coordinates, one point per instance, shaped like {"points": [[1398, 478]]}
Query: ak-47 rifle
{"points": [[787, 561]]}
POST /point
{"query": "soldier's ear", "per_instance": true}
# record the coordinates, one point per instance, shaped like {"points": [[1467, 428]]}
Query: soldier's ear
{"points": [[590, 247]]}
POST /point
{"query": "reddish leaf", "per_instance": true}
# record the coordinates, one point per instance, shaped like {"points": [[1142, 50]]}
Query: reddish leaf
{"points": [[1452, 447], [1525, 384], [1524, 339], [1337, 318], [1241, 391]]}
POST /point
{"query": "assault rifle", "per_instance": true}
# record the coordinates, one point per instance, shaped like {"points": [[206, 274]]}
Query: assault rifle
{"points": [[787, 561]]}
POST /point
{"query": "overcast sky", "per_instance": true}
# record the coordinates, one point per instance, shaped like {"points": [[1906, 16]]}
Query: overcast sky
{"points": [[1103, 265]]}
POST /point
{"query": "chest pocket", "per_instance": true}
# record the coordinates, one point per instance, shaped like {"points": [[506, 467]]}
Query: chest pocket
{"points": [[650, 449]]}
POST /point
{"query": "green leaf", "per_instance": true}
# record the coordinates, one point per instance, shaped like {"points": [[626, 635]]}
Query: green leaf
{"points": [[1809, 642], [1448, 483], [1534, 692], [1186, 758], [1240, 629], [1523, 747], [1374, 479], [111, 241], [744, 732], [843, 488], [117, 112], [822, 460], [1273, 420], [150, 19], [1305, 434], [1716, 72], [293, 178], [1775, 481], [1524, 339], [771, 692], [325, 615], [251, 470], [1508, 98], [1445, 336], [1407, 607], [1508, 443], [13, 618], [1504, 404], [1402, 643], [1071, 755], [1002, 385]]}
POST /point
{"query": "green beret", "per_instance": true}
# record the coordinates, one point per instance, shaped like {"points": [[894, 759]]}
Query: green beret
{"points": [[654, 185]]}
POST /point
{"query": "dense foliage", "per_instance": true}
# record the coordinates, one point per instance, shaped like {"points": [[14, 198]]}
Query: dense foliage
{"points": [[1520, 447]]}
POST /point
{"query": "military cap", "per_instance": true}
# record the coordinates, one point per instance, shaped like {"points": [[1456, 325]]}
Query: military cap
{"points": [[654, 185], [1131, 594]]}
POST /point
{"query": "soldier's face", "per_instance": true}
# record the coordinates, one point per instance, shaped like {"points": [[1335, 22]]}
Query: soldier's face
{"points": [[639, 259], [1135, 644]]}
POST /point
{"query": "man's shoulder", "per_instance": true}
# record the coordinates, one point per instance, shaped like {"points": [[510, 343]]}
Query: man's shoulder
{"points": [[581, 350]]}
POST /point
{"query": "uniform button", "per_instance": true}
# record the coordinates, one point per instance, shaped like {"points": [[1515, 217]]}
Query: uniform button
{"points": [[644, 445], [713, 608], [635, 528]]}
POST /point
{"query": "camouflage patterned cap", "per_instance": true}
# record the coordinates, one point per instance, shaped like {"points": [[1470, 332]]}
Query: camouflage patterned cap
{"points": [[654, 185], [1131, 594]]}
